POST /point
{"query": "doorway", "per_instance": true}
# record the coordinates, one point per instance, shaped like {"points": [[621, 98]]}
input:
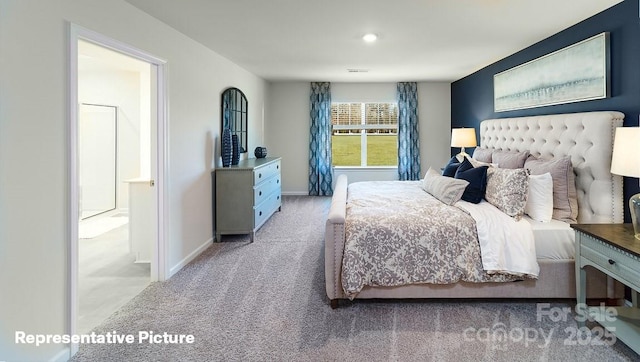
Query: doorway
{"points": [[117, 170], [114, 149]]}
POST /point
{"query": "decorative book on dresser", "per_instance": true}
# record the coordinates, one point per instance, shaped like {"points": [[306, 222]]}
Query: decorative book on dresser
{"points": [[247, 194]]}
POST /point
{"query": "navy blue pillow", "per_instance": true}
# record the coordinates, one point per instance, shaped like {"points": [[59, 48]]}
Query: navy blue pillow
{"points": [[477, 177], [465, 165], [451, 167]]}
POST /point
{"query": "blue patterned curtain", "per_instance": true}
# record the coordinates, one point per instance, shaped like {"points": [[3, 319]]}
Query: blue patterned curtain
{"points": [[320, 172], [408, 140], [226, 109]]}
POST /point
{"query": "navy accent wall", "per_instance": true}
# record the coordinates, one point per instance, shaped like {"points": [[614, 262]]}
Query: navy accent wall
{"points": [[472, 96]]}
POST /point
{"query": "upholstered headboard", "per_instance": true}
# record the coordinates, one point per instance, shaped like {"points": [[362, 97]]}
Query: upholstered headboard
{"points": [[586, 137]]}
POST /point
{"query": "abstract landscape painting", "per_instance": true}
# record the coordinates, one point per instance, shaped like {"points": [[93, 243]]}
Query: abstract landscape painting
{"points": [[576, 73]]}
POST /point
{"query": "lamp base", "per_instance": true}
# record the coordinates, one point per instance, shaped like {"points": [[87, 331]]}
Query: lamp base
{"points": [[460, 156], [634, 207]]}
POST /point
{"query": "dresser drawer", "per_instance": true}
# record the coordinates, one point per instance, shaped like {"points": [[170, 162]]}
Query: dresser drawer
{"points": [[611, 259], [265, 172], [266, 208], [264, 189]]}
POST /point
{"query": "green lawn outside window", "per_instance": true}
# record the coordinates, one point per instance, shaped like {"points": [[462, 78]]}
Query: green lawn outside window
{"points": [[382, 150]]}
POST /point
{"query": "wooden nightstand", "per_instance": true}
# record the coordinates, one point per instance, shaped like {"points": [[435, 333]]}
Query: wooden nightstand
{"points": [[612, 249]]}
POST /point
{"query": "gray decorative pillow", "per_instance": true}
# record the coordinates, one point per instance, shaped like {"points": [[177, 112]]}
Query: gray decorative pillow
{"points": [[507, 189], [510, 159], [482, 154], [446, 189], [565, 197]]}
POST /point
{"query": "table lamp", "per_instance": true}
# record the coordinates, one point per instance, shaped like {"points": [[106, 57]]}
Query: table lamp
{"points": [[463, 137], [626, 162]]}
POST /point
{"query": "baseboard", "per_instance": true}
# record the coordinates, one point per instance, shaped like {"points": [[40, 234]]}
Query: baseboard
{"points": [[190, 257], [295, 193], [62, 356]]}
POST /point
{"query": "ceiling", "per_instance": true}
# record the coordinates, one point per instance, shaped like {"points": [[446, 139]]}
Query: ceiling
{"points": [[418, 40]]}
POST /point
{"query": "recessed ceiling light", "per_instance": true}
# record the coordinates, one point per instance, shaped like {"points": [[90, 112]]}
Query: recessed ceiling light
{"points": [[370, 38]]}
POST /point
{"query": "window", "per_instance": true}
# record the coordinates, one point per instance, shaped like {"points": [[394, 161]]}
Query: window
{"points": [[364, 134]]}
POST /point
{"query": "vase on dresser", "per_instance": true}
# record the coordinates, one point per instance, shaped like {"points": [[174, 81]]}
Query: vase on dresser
{"points": [[226, 148], [235, 150]]}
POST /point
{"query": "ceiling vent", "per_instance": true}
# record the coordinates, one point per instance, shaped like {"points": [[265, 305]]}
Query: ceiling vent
{"points": [[358, 70]]}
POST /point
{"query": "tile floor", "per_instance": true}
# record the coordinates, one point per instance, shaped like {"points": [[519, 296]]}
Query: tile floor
{"points": [[108, 276]]}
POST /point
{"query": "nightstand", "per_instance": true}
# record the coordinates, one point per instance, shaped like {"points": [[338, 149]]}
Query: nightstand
{"points": [[612, 249]]}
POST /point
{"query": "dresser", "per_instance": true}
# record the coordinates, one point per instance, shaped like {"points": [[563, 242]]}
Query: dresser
{"points": [[247, 194], [612, 249]]}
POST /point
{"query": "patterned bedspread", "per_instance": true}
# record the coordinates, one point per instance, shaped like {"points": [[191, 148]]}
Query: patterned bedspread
{"points": [[397, 234]]}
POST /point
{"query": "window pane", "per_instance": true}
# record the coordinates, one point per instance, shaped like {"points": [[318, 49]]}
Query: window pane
{"points": [[345, 114], [382, 149], [381, 113], [345, 149], [380, 122]]}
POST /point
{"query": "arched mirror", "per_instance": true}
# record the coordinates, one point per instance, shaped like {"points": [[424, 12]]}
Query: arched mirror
{"points": [[234, 115]]}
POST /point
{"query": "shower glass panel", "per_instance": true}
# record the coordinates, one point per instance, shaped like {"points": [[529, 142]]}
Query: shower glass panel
{"points": [[97, 158]]}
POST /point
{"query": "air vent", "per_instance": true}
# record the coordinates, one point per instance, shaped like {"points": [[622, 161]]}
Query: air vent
{"points": [[358, 70]]}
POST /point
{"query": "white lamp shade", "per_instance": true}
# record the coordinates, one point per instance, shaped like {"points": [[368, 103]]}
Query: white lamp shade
{"points": [[463, 137], [626, 152]]}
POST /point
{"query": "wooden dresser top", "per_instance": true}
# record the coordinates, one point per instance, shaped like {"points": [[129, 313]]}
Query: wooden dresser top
{"points": [[619, 235]]}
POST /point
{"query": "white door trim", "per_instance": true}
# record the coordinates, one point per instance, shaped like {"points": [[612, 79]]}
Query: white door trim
{"points": [[159, 269]]}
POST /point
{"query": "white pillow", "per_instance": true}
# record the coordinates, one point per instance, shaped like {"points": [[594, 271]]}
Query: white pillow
{"points": [[540, 200]]}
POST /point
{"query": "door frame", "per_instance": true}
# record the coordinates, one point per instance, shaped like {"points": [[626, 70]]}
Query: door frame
{"points": [[159, 268]]}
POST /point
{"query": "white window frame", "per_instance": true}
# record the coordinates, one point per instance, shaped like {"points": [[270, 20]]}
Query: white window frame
{"points": [[363, 127]]}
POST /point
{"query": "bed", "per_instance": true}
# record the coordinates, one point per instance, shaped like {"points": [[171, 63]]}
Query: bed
{"points": [[587, 140]]}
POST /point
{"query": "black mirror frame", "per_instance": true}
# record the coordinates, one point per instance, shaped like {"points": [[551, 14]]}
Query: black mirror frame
{"points": [[234, 115]]}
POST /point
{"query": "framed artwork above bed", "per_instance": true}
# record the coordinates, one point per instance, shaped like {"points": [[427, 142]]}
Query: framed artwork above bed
{"points": [[576, 73]]}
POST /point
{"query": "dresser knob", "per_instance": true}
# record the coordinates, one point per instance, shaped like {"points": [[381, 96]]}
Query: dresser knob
{"points": [[611, 261], [259, 175], [260, 193], [260, 214]]}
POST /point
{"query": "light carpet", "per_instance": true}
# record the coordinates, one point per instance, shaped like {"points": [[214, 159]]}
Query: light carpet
{"points": [[266, 301]]}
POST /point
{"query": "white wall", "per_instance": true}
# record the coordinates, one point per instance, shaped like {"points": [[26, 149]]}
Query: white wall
{"points": [[434, 110], [34, 235], [363, 92], [286, 132], [121, 89], [287, 123]]}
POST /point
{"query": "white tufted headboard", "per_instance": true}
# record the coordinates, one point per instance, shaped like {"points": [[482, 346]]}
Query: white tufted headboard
{"points": [[586, 137]]}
